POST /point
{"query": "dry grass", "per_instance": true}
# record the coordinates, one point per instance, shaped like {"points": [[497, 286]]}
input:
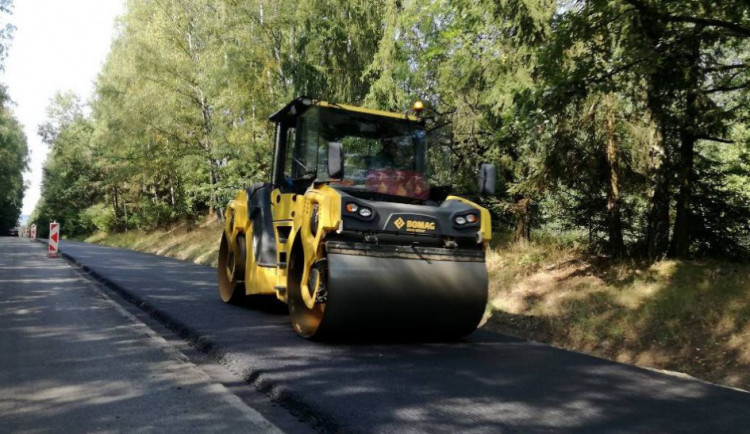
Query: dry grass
{"points": [[687, 316], [195, 243]]}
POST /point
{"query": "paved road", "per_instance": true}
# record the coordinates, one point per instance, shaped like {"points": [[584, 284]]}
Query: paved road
{"points": [[72, 360], [487, 383]]}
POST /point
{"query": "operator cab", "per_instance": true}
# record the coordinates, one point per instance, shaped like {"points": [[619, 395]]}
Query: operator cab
{"points": [[367, 153]]}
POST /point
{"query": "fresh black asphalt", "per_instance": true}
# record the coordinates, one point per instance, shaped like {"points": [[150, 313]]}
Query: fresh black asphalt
{"points": [[486, 383]]}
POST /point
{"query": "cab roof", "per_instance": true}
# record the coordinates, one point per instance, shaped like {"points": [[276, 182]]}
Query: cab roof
{"points": [[300, 104]]}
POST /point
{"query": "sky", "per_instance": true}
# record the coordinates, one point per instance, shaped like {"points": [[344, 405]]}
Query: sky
{"points": [[58, 45]]}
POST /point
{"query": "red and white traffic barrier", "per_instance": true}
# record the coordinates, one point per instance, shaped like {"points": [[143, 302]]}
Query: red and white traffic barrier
{"points": [[54, 238]]}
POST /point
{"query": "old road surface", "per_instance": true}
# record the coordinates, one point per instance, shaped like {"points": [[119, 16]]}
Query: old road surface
{"points": [[71, 360], [486, 383]]}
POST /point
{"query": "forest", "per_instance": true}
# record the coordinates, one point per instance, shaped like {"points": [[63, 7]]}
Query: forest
{"points": [[13, 148], [620, 122]]}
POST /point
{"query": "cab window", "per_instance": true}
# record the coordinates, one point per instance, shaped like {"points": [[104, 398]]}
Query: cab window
{"points": [[291, 140], [305, 157]]}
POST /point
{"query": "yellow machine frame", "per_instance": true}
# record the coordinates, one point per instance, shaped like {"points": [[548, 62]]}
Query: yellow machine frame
{"points": [[291, 215]]}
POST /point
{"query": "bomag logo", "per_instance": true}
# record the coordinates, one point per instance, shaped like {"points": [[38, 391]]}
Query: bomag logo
{"points": [[413, 225], [420, 225]]}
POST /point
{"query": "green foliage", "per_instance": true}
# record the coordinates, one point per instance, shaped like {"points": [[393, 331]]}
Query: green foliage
{"points": [[13, 148], [100, 217], [6, 30], [624, 120], [151, 215], [13, 162], [722, 201], [71, 180]]}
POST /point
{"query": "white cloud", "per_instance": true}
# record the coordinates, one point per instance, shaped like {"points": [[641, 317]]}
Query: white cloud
{"points": [[58, 46]]}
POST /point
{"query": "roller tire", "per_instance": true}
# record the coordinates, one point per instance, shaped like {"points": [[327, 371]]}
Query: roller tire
{"points": [[230, 273], [306, 321]]}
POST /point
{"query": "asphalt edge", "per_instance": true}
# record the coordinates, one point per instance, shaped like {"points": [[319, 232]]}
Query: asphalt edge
{"points": [[276, 392]]}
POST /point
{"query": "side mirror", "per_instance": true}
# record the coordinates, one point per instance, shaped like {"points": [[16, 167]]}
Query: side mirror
{"points": [[487, 176], [335, 160]]}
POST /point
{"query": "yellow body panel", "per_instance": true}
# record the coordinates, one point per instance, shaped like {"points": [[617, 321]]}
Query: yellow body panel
{"points": [[291, 214], [258, 280], [485, 222], [366, 110]]}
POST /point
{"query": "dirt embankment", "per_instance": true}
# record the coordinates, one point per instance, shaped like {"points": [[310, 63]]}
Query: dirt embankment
{"points": [[189, 242], [685, 316]]}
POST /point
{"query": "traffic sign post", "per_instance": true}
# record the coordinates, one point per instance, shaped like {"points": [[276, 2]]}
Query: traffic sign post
{"points": [[54, 238]]}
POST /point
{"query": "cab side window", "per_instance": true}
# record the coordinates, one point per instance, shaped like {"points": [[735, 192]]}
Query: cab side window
{"points": [[305, 158], [291, 141]]}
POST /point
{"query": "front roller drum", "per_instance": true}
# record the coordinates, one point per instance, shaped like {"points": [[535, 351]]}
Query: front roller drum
{"points": [[395, 298]]}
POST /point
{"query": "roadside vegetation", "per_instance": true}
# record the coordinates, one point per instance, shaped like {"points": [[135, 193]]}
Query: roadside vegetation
{"points": [[689, 316], [14, 157], [14, 153], [626, 119], [198, 243]]}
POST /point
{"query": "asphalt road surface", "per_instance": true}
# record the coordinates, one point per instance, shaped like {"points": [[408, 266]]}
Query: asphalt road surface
{"points": [[487, 383], [71, 360]]}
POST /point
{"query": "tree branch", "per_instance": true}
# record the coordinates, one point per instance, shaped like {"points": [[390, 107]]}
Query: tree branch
{"points": [[709, 22], [744, 85], [720, 68], [716, 139]]}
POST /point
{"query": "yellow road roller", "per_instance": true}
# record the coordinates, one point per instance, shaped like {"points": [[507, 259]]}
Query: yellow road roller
{"points": [[358, 232]]}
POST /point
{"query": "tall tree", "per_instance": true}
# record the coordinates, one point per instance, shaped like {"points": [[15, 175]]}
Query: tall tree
{"points": [[13, 162], [69, 183], [13, 148]]}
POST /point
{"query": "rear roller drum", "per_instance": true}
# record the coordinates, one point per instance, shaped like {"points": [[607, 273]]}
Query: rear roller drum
{"points": [[231, 270]]}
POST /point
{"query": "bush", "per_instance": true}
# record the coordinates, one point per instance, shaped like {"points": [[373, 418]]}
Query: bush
{"points": [[99, 216], [153, 215]]}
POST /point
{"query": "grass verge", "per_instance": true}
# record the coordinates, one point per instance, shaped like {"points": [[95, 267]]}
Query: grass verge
{"points": [[189, 242], [687, 316]]}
